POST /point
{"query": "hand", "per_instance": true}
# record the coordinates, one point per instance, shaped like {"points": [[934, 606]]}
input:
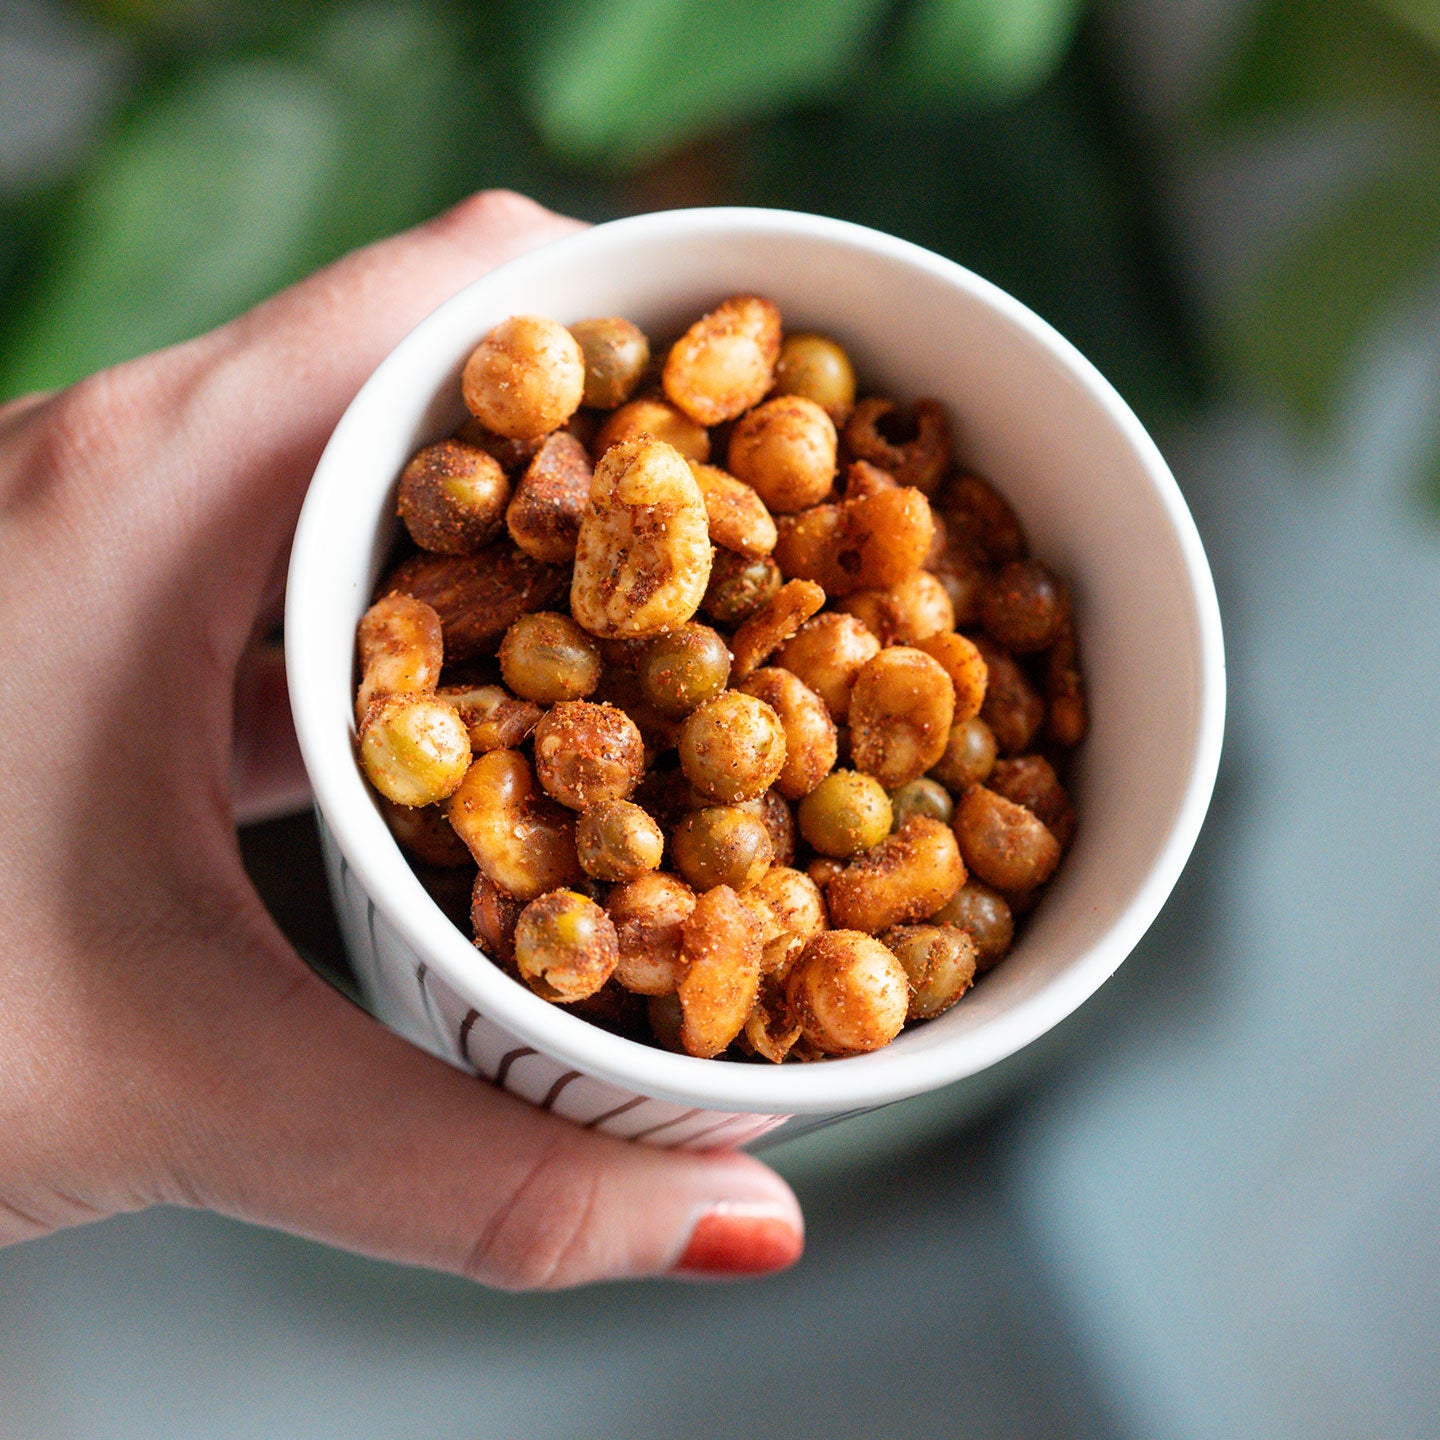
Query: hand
{"points": [[159, 1040]]}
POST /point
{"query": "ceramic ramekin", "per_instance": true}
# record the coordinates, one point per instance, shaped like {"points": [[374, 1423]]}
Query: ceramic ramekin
{"points": [[1030, 413]]}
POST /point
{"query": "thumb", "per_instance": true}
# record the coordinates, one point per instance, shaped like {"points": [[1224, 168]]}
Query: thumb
{"points": [[330, 1126]]}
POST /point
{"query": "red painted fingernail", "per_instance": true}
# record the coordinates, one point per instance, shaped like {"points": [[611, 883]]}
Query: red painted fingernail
{"points": [[741, 1240]]}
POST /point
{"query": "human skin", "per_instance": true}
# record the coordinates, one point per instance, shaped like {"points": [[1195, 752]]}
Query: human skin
{"points": [[160, 1042]]}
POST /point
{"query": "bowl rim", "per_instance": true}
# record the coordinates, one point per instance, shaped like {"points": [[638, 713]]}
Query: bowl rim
{"points": [[839, 1084]]}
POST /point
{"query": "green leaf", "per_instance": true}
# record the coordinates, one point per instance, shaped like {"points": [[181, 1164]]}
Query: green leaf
{"points": [[1303, 55], [962, 51], [623, 81], [1296, 328]]}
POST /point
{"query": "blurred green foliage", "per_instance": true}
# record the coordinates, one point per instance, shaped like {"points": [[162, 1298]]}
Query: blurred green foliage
{"points": [[254, 143]]}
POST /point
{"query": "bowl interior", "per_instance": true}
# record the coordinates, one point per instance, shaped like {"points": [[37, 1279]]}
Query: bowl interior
{"points": [[1029, 413]]}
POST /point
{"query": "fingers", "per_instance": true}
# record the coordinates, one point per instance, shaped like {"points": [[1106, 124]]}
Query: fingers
{"points": [[332, 1127], [267, 775]]}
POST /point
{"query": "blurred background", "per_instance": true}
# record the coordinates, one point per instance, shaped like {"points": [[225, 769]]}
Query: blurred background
{"points": [[1205, 1206]]}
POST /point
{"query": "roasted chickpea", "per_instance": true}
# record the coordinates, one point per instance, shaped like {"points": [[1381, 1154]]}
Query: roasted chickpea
{"points": [[617, 841], [886, 537], [565, 946], [980, 519], [1013, 708], [1024, 607], [425, 833], [959, 569], [722, 845], [525, 378], [658, 420], [543, 518], [795, 902], [815, 367], [921, 797], [737, 516], [401, 650], [649, 914], [739, 586], [849, 993], [969, 755], [548, 657], [771, 626], [907, 877], [913, 610], [413, 748], [732, 748], [1031, 781], [680, 671], [984, 915], [810, 745], [901, 711], [964, 664], [785, 450], [1068, 716], [643, 560], [939, 962], [914, 447], [521, 839], [494, 718], [822, 870], [774, 810], [721, 979], [811, 546], [845, 813], [771, 1029], [586, 754], [452, 497], [1002, 842], [828, 653], [616, 354], [725, 362], [493, 913], [512, 455]]}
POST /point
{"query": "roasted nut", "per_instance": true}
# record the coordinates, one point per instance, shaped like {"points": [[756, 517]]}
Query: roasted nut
{"points": [[869, 542], [722, 971], [984, 915], [737, 516], [722, 845], [547, 657], [828, 653], [914, 448], [809, 731], [739, 586], [401, 650], [1002, 842], [1013, 708], [1068, 716], [1031, 781], [901, 711], [911, 611], [680, 671], [452, 497], [732, 748], [845, 813], [808, 546], [425, 833], [586, 754], [981, 521], [525, 378], [725, 362], [964, 664], [822, 870], [617, 841], [565, 946], [494, 718], [658, 420], [771, 1029], [939, 962], [817, 368], [493, 913], [544, 516], [413, 748], [907, 877], [795, 902], [969, 755], [643, 559], [848, 992], [616, 354], [785, 449], [921, 797], [774, 810], [521, 839], [1024, 607], [649, 915], [769, 628], [477, 596]]}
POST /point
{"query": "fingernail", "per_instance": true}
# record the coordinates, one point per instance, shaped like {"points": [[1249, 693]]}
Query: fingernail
{"points": [[734, 1238]]}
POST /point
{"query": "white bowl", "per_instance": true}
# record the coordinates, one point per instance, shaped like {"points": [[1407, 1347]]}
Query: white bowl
{"points": [[1030, 413]]}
